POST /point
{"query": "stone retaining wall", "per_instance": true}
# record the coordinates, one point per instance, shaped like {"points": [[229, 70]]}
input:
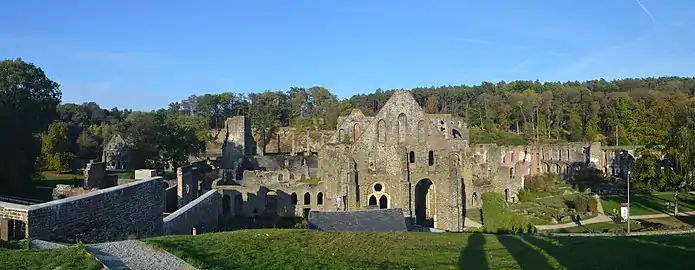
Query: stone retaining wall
{"points": [[131, 210], [202, 214]]}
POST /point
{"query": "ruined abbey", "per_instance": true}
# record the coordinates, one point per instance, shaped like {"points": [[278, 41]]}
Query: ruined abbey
{"points": [[399, 158], [418, 165]]}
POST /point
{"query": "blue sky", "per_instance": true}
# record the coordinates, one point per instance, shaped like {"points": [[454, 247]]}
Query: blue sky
{"points": [[146, 54]]}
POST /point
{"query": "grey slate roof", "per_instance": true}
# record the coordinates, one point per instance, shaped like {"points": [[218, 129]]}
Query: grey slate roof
{"points": [[377, 220]]}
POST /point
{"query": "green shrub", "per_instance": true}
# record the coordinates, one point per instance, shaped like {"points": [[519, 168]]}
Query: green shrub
{"points": [[498, 219], [582, 203]]}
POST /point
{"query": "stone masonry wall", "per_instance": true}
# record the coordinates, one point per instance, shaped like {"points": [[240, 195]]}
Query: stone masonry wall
{"points": [[133, 209], [202, 214], [187, 184]]}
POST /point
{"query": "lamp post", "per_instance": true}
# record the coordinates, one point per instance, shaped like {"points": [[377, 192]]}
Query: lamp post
{"points": [[628, 201]]}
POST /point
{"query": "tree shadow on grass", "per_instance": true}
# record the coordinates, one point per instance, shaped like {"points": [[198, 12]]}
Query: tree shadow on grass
{"points": [[525, 255], [612, 252], [473, 255]]}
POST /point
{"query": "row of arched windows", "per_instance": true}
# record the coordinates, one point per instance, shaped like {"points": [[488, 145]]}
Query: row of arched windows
{"points": [[281, 177], [307, 198]]}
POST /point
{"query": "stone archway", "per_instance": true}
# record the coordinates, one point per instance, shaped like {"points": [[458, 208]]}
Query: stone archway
{"points": [[372, 200], [383, 202], [424, 203]]}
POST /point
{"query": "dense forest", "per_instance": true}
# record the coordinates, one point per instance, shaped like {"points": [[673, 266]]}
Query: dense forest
{"points": [[631, 111], [41, 133]]}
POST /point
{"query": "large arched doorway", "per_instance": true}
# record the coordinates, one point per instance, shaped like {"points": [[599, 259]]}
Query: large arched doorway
{"points": [[424, 203]]}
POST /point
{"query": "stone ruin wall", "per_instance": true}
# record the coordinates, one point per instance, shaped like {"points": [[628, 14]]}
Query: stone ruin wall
{"points": [[201, 215], [187, 187], [96, 177], [13, 220], [274, 200], [115, 213]]}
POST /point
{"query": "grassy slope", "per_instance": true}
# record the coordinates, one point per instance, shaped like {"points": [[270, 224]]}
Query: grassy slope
{"points": [[300, 249], [649, 204], [64, 258]]}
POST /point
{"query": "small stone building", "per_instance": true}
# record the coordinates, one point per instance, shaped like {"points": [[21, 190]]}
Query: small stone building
{"points": [[116, 153]]}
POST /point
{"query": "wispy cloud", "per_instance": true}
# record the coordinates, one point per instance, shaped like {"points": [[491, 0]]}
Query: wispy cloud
{"points": [[646, 10], [511, 46]]}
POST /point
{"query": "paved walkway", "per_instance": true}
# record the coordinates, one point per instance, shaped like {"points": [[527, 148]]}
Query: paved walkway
{"points": [[597, 219], [471, 223], [663, 215], [135, 255]]}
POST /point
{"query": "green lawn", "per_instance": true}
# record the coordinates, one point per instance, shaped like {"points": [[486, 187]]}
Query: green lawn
{"points": [[302, 249], [12, 257], [53, 178], [649, 204]]}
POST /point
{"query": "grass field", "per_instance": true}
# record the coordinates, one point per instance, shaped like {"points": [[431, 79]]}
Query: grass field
{"points": [[649, 204], [53, 178], [301, 249], [16, 258]]}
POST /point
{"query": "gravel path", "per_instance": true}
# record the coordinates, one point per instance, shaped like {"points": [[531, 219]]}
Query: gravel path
{"points": [[135, 255], [40, 244]]}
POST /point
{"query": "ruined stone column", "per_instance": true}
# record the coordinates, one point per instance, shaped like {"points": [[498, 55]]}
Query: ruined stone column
{"points": [[307, 150], [294, 150]]}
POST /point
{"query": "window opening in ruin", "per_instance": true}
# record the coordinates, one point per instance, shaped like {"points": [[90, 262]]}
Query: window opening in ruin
{"points": [[383, 202], [506, 194], [302, 177], [195, 230], [568, 154], [341, 135], [279, 177], [456, 134], [402, 127], [372, 200], [291, 177], [307, 198], [355, 132], [378, 187], [431, 158], [319, 198], [381, 131], [511, 158], [511, 173], [293, 198], [474, 199], [411, 157], [12, 229]]}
